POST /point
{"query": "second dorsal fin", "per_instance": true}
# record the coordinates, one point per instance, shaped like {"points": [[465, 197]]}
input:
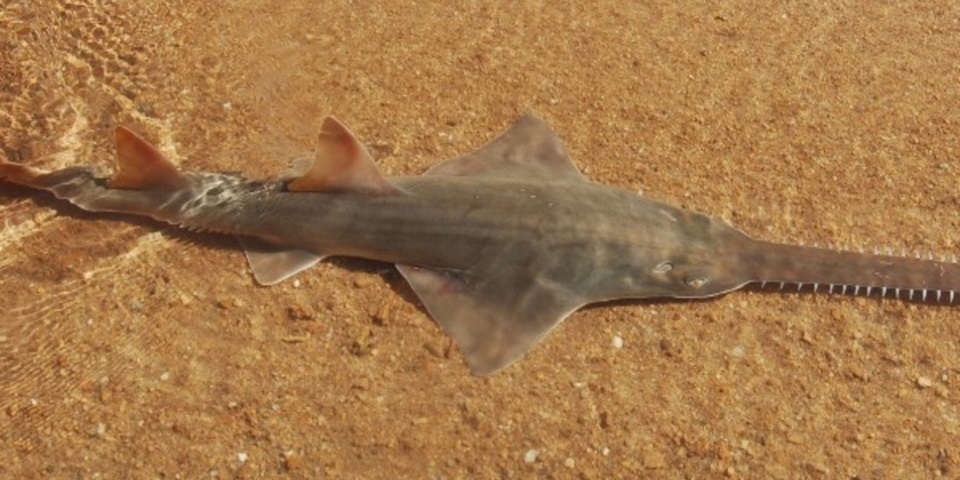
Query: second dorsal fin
{"points": [[141, 166], [341, 164]]}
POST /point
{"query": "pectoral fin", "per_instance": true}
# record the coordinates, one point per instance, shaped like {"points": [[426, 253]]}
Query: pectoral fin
{"points": [[494, 321], [530, 149], [272, 264]]}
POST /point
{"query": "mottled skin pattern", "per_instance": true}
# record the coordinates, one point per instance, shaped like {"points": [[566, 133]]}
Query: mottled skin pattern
{"points": [[501, 245]]}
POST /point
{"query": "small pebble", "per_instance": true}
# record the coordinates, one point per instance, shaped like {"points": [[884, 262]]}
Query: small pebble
{"points": [[653, 460], [531, 456], [383, 314], [666, 346], [165, 376], [292, 461], [363, 282], [569, 463], [924, 382], [363, 344], [242, 457], [300, 311], [617, 342]]}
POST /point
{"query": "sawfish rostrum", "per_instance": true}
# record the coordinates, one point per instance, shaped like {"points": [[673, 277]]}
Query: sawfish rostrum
{"points": [[501, 245]]}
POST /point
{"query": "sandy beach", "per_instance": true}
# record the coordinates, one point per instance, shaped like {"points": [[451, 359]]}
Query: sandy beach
{"points": [[132, 349]]}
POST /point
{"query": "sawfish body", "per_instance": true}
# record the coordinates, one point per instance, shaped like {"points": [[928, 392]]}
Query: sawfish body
{"points": [[500, 245]]}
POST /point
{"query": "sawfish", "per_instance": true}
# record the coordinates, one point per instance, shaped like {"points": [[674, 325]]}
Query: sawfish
{"points": [[500, 245]]}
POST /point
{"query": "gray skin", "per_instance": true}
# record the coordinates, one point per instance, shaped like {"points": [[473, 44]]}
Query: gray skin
{"points": [[500, 245]]}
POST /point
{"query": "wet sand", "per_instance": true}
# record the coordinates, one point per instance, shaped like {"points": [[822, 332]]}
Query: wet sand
{"points": [[129, 346]]}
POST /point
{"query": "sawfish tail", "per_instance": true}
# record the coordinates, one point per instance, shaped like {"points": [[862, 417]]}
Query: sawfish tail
{"points": [[847, 272], [145, 183], [85, 188], [69, 183]]}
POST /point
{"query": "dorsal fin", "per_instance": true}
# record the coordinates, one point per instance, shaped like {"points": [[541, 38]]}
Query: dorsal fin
{"points": [[341, 164], [529, 149], [141, 166]]}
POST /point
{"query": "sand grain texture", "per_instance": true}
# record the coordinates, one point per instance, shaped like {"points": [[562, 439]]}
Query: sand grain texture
{"points": [[128, 346]]}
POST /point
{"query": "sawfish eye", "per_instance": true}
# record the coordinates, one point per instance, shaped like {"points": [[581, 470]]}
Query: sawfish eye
{"points": [[663, 267]]}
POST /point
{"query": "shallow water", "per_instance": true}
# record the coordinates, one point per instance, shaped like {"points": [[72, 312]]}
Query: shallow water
{"points": [[127, 345]]}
